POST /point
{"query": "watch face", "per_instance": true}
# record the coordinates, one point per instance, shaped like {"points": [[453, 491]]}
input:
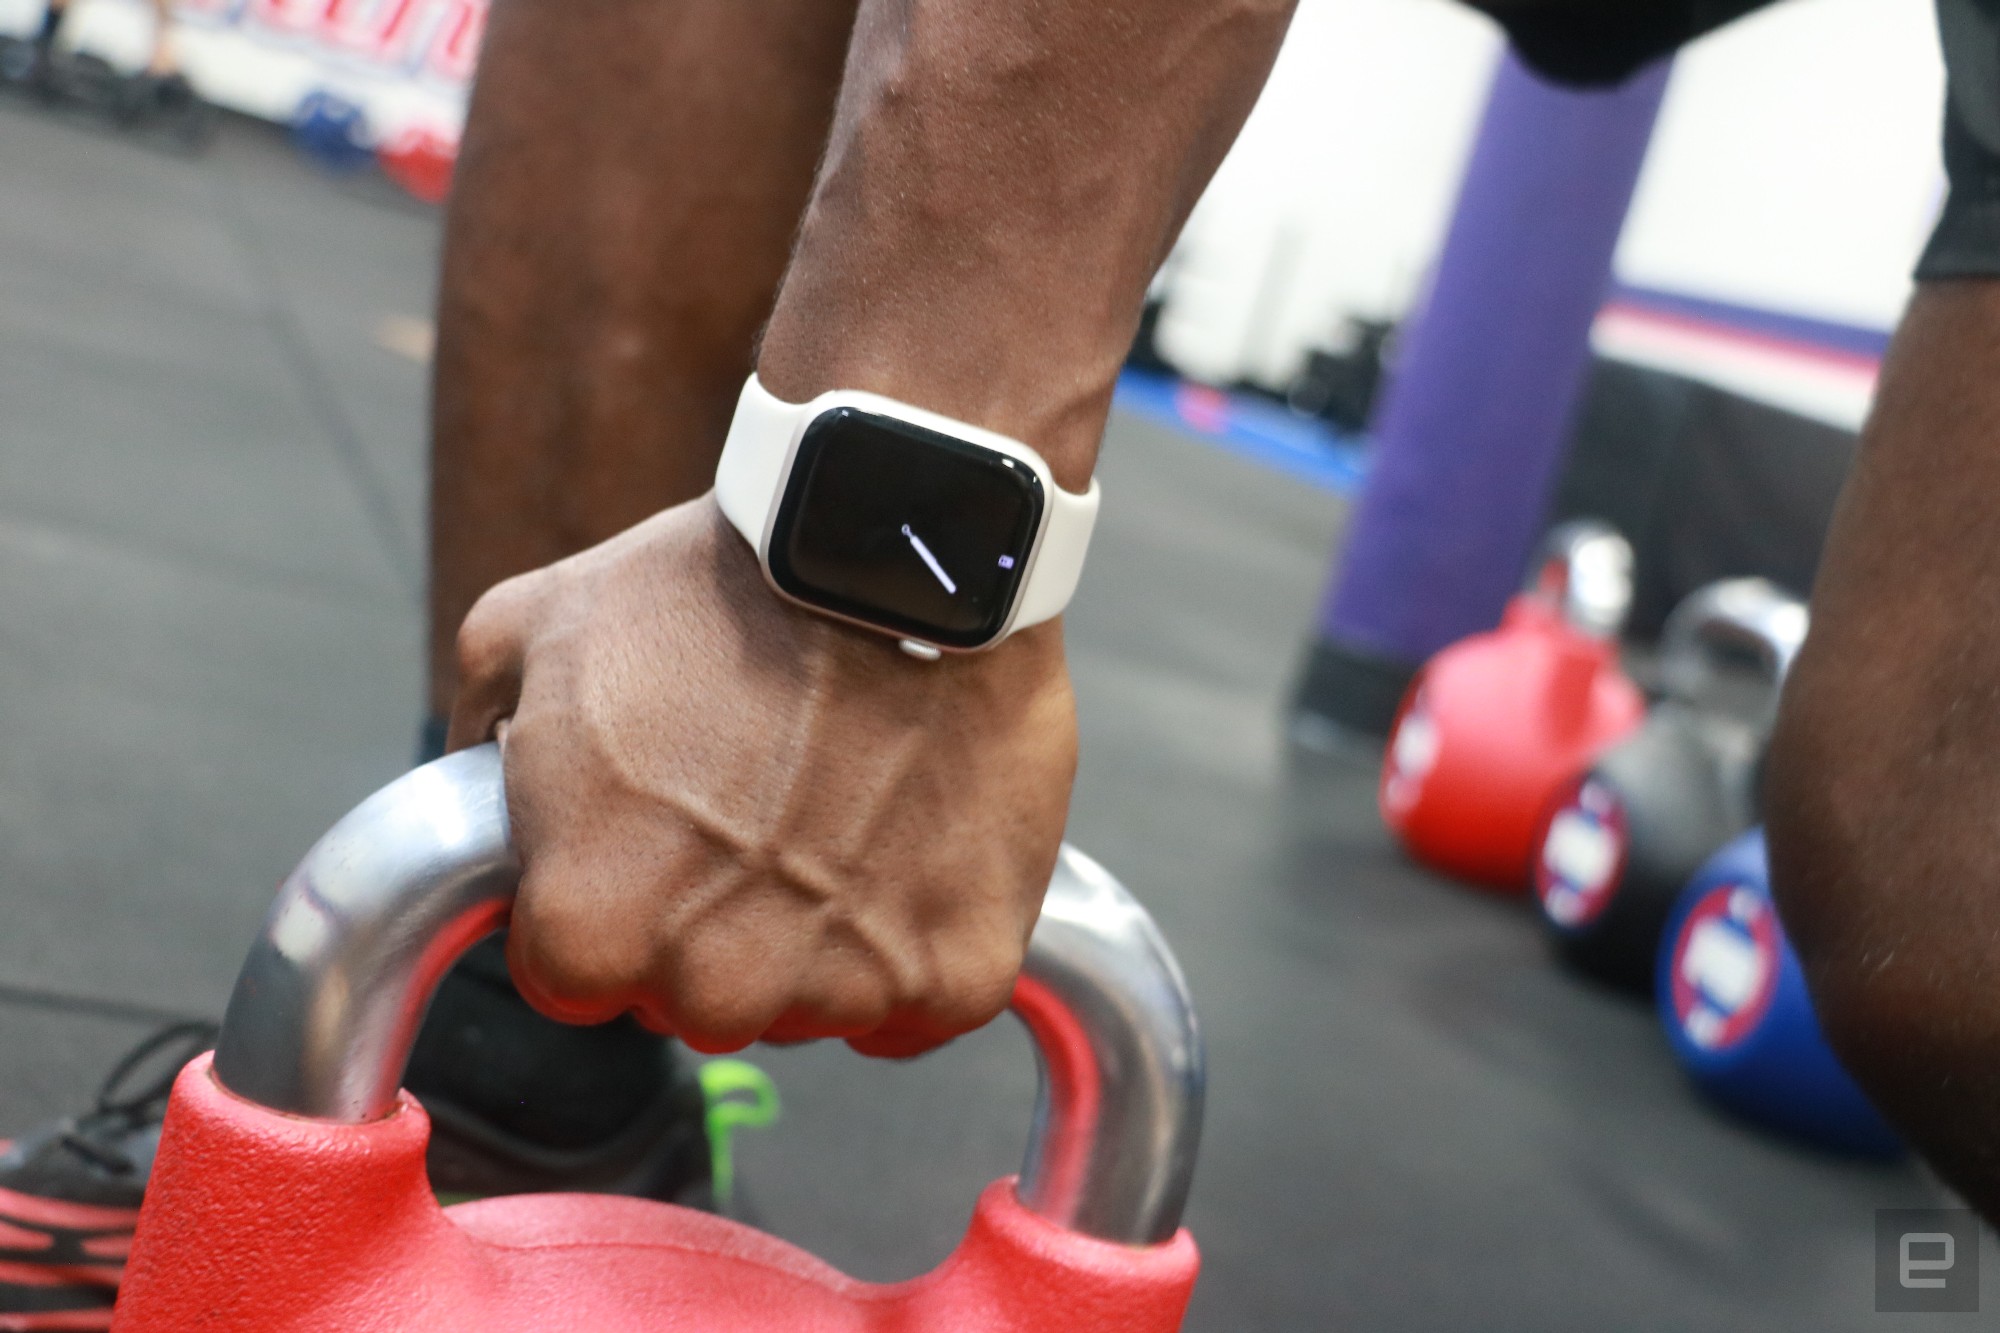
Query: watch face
{"points": [[904, 528]]}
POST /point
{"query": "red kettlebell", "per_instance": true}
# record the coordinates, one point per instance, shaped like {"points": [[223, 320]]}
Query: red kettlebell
{"points": [[289, 1193], [421, 161], [1493, 727]]}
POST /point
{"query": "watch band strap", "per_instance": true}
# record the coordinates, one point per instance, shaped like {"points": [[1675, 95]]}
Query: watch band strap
{"points": [[752, 467], [751, 473], [1058, 562]]}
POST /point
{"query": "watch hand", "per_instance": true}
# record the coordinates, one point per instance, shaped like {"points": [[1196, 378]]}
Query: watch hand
{"points": [[929, 559]]}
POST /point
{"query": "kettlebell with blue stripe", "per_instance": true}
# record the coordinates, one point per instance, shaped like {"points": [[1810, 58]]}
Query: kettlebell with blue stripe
{"points": [[1732, 997], [1622, 840]]}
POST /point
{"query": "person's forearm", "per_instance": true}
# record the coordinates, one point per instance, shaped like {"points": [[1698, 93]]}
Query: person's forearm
{"points": [[1883, 799], [1001, 182], [631, 179], [726, 806]]}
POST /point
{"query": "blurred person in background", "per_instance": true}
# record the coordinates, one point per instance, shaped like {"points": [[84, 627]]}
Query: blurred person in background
{"points": [[740, 820], [162, 59]]}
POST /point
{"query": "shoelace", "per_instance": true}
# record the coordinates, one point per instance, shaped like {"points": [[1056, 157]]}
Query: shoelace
{"points": [[98, 1136]]}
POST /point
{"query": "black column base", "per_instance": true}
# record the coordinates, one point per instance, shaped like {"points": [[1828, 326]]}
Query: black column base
{"points": [[1347, 697]]}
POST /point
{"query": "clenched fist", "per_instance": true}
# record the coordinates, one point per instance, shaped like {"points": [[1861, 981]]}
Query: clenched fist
{"points": [[739, 820]]}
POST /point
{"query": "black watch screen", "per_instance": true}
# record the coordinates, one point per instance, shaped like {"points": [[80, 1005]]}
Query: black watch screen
{"points": [[901, 527]]}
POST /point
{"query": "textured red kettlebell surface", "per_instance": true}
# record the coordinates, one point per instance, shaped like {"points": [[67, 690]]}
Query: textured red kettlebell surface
{"points": [[257, 1222], [1489, 734]]}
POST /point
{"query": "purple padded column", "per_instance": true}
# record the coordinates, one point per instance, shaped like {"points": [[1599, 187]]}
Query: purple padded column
{"points": [[1471, 429]]}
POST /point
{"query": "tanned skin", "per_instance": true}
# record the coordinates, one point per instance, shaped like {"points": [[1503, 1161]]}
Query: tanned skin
{"points": [[737, 819], [1883, 794], [740, 820], [631, 179]]}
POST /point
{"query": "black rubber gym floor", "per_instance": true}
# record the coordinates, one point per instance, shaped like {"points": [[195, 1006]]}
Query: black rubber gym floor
{"points": [[211, 482]]}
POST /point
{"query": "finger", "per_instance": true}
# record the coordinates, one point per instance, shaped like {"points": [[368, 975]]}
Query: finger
{"points": [[731, 979], [976, 981], [567, 961], [845, 992], [707, 1043], [646, 1017], [558, 1002], [492, 655], [718, 1012], [887, 1045]]}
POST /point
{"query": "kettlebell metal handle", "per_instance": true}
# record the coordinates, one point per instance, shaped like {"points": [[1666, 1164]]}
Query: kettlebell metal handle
{"points": [[1752, 613], [329, 1000], [1585, 572]]}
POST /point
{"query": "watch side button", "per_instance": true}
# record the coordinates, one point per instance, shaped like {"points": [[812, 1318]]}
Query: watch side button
{"points": [[923, 652]]}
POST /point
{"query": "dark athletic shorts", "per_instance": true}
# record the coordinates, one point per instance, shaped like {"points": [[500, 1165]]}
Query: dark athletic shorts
{"points": [[1595, 42]]}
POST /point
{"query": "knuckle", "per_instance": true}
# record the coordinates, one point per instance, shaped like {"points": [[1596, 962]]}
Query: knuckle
{"points": [[569, 958], [974, 984], [490, 629], [715, 1013], [480, 646], [852, 1000]]}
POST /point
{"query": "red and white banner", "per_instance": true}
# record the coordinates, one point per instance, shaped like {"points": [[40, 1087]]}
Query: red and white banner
{"points": [[406, 63]]}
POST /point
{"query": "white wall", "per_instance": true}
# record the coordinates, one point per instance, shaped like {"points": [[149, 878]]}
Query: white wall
{"points": [[1795, 168], [1334, 199]]}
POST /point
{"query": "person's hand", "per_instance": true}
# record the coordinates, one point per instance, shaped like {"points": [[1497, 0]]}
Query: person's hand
{"points": [[741, 820]]}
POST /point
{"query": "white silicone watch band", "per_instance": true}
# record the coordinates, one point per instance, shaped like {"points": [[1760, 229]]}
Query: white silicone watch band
{"points": [[751, 472], [756, 458]]}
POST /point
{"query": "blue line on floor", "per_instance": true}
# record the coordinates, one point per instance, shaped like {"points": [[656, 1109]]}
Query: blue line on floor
{"points": [[1255, 428]]}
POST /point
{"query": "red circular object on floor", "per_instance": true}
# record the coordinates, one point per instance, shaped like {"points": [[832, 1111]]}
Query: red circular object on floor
{"points": [[1491, 732]]}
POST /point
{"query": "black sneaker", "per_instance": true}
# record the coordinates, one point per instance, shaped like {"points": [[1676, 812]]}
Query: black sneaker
{"points": [[70, 1191], [518, 1104]]}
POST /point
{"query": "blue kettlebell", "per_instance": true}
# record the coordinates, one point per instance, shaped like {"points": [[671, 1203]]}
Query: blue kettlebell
{"points": [[333, 132], [1733, 1000]]}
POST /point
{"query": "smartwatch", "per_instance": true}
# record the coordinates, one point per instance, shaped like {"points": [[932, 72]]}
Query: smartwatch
{"points": [[934, 531]]}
